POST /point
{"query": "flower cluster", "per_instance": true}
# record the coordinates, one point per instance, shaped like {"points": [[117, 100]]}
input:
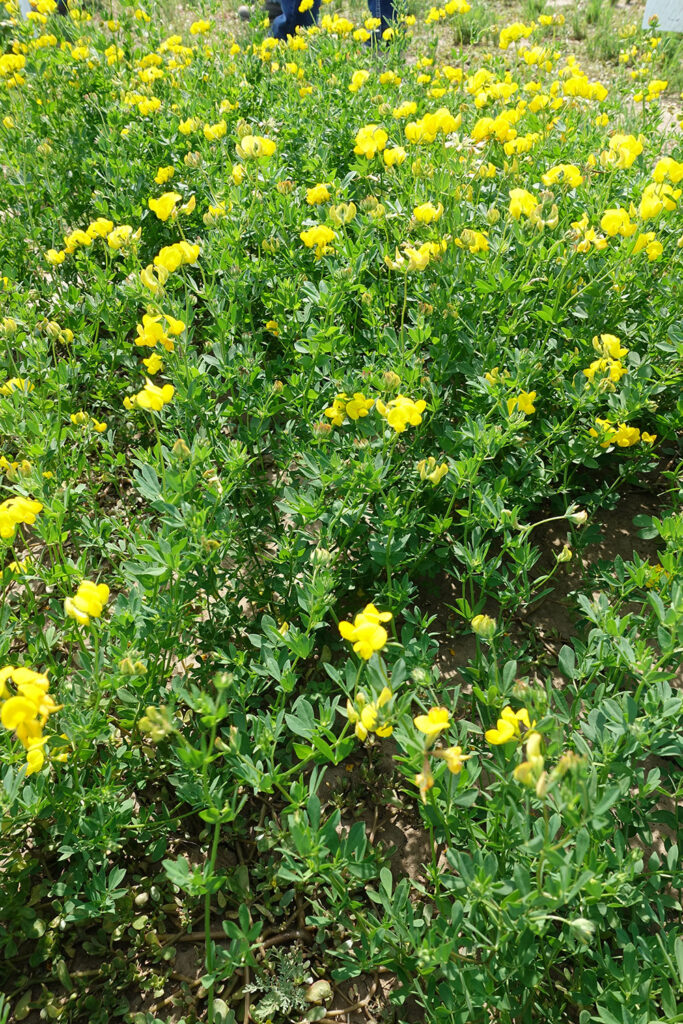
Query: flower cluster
{"points": [[25, 711], [354, 408], [430, 470], [367, 634], [151, 397], [371, 716], [509, 726], [319, 238], [15, 512], [88, 602], [84, 419], [155, 330], [621, 435], [400, 412], [431, 725]]}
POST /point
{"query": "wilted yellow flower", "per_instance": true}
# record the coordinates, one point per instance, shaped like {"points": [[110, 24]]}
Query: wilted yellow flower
{"points": [[484, 626]]}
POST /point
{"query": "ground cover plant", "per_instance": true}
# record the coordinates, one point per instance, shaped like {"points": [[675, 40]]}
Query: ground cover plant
{"points": [[331, 374]]}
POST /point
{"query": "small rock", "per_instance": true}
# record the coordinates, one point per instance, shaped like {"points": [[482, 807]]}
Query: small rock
{"points": [[244, 12]]}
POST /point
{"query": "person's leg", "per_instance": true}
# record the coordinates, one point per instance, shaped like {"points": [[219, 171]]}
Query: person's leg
{"points": [[384, 10], [309, 17], [285, 24]]}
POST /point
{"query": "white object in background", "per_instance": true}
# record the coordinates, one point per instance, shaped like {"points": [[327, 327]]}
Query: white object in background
{"points": [[669, 13], [25, 7]]}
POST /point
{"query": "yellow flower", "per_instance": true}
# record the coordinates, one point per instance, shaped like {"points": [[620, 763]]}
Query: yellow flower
{"points": [[484, 626], [427, 213], [394, 156], [26, 711], [319, 238], [17, 511], [121, 235], [165, 205], [154, 363], [164, 174], [358, 80], [522, 203], [82, 419], [529, 771], [474, 241], [667, 167], [509, 726], [16, 384], [434, 722], [454, 758], [523, 402], [366, 634], [100, 228], [569, 174], [370, 139], [54, 257], [213, 132], [656, 198], [617, 222], [401, 412], [255, 147], [199, 27], [88, 603], [151, 397], [622, 152], [429, 470], [188, 126], [318, 194]]}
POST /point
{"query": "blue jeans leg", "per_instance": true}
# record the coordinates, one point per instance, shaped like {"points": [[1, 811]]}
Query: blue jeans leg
{"points": [[384, 10], [286, 23]]}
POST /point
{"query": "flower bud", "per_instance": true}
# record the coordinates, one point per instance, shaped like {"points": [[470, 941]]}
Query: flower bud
{"points": [[565, 554], [180, 449], [321, 556], [484, 626], [9, 326], [577, 518], [582, 929]]}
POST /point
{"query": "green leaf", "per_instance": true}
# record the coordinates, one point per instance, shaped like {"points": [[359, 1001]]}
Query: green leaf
{"points": [[567, 662]]}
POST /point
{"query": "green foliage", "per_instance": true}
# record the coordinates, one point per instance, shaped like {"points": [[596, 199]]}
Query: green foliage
{"points": [[282, 611]]}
